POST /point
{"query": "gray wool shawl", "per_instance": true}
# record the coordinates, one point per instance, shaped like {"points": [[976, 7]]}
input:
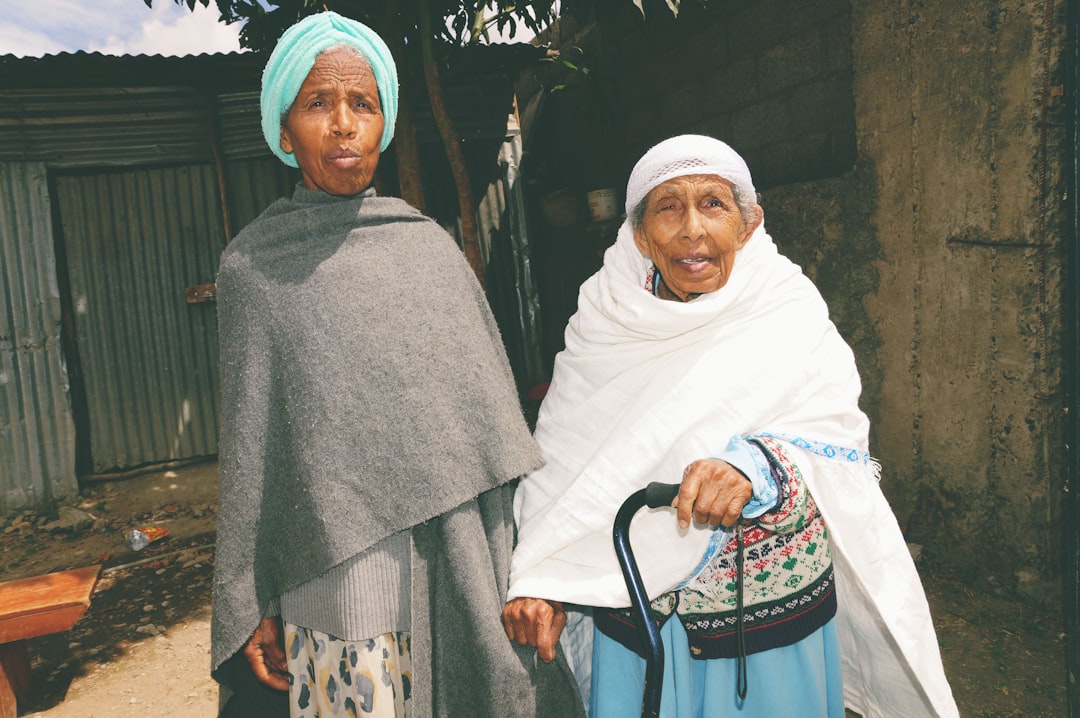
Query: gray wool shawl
{"points": [[366, 391]]}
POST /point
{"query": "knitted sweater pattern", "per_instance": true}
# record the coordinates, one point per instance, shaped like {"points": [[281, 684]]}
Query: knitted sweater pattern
{"points": [[788, 582]]}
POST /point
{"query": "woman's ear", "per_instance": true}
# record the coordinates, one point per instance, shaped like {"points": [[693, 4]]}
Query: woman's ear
{"points": [[750, 225], [285, 141], [642, 242]]}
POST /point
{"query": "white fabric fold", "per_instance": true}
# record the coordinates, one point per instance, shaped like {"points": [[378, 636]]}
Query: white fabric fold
{"points": [[645, 386]]}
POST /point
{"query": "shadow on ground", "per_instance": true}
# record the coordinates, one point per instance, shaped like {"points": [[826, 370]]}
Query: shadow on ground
{"points": [[141, 594]]}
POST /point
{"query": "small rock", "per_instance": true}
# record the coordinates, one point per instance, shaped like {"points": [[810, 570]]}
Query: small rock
{"points": [[72, 520], [1027, 577]]}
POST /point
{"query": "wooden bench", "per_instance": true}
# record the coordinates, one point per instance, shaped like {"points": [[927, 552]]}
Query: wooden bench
{"points": [[31, 607]]}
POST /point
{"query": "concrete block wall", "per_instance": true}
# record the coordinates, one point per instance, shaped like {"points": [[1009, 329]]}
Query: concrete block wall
{"points": [[773, 78]]}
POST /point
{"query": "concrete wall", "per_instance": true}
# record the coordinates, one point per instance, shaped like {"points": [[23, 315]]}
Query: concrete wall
{"points": [[910, 158], [961, 134]]}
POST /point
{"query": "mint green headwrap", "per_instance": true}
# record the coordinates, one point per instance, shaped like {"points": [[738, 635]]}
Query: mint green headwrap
{"points": [[295, 54]]}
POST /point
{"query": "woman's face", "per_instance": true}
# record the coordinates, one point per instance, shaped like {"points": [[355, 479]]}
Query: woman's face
{"points": [[335, 124], [692, 229]]}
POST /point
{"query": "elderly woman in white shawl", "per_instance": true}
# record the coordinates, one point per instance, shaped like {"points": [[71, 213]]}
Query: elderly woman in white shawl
{"points": [[700, 354]]}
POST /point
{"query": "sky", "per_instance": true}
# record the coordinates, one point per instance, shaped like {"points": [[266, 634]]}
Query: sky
{"points": [[33, 28]]}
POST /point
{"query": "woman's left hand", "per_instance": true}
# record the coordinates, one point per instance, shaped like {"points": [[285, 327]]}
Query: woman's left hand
{"points": [[535, 622], [713, 492]]}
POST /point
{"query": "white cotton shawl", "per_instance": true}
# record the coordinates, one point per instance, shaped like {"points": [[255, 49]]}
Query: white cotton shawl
{"points": [[646, 386]]}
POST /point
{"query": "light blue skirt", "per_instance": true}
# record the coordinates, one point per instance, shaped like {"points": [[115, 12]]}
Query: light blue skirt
{"points": [[800, 680]]}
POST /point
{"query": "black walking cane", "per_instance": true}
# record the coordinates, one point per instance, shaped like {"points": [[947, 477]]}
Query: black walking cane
{"points": [[654, 496]]}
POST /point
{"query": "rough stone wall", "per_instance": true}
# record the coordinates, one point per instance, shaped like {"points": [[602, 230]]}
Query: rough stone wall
{"points": [[910, 156]]}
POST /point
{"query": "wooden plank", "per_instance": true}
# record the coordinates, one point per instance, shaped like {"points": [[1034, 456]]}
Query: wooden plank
{"points": [[15, 665], [8, 707], [45, 604]]}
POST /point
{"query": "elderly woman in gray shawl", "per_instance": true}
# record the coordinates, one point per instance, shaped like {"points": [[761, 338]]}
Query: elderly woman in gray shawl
{"points": [[370, 428], [700, 355]]}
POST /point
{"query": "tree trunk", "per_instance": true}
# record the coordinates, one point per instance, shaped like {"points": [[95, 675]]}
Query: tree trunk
{"points": [[470, 236], [410, 178]]}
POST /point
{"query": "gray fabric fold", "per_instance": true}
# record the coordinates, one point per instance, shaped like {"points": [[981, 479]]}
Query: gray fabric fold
{"points": [[463, 663], [365, 390]]}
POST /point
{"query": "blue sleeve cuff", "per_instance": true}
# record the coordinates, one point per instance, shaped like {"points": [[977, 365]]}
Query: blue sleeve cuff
{"points": [[745, 457]]}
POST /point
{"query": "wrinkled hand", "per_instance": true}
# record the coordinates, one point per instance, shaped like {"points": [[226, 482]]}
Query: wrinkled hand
{"points": [[265, 653], [535, 622], [713, 492]]}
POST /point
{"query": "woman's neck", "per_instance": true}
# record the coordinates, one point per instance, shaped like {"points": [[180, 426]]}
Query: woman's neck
{"points": [[665, 292]]}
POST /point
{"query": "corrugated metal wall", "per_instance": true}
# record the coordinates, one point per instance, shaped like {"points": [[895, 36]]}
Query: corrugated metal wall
{"points": [[134, 241], [139, 204], [37, 434], [253, 185], [512, 291], [94, 126], [124, 126]]}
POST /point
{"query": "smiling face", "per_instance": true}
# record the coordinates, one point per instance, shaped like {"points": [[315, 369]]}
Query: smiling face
{"points": [[335, 124], [691, 228]]}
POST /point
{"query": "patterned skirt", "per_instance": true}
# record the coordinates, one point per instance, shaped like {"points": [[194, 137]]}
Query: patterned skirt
{"points": [[331, 677]]}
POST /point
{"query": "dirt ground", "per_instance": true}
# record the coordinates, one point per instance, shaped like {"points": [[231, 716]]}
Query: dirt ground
{"points": [[143, 647]]}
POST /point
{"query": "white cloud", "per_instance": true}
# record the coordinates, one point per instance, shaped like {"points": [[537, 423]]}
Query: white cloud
{"points": [[165, 33], [32, 28], [15, 40]]}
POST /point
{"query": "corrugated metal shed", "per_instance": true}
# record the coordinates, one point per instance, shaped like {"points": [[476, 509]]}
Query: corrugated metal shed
{"points": [[114, 163], [134, 241], [90, 110], [138, 170], [37, 434]]}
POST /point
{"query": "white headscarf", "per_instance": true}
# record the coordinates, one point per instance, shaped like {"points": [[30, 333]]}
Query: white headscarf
{"points": [[646, 386], [687, 155]]}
